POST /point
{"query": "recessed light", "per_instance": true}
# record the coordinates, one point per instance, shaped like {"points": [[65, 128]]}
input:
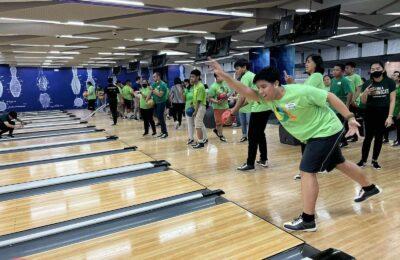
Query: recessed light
{"points": [[258, 28], [214, 12]]}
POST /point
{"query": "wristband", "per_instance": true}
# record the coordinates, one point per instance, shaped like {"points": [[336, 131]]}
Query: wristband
{"points": [[348, 117], [390, 115]]}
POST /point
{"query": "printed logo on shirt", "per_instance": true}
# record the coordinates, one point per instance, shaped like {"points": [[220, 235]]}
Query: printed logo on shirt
{"points": [[283, 115], [290, 106], [379, 92]]}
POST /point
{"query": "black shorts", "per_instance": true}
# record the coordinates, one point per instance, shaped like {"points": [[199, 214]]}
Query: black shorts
{"points": [[322, 154], [128, 103], [92, 104]]}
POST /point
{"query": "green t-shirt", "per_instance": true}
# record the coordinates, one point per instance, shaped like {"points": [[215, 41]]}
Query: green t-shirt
{"points": [[303, 112], [316, 80], [341, 88], [161, 86], [91, 93], [215, 90], [127, 92], [145, 92], [199, 93], [119, 96], [188, 93], [380, 97], [327, 88], [355, 80], [247, 80], [397, 104]]}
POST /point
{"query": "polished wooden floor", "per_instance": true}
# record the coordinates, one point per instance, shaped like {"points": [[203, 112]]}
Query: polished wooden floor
{"points": [[59, 152], [51, 140], [71, 167], [225, 231], [52, 128], [54, 207], [369, 230]]}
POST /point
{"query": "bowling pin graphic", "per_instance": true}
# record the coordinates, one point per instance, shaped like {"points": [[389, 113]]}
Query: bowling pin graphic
{"points": [[181, 72], [1, 89], [78, 102], [3, 106], [45, 100], [75, 83], [41, 81], [90, 77], [15, 85]]}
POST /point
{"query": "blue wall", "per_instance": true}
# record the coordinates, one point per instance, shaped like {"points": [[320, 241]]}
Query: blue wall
{"points": [[259, 58], [59, 87], [283, 58]]}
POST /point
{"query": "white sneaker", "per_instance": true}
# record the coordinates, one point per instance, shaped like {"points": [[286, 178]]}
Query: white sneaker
{"points": [[176, 125], [297, 177]]}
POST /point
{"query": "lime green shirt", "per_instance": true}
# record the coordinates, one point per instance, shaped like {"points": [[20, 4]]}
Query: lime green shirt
{"points": [[188, 93], [91, 93], [199, 93], [397, 104], [304, 114], [127, 92], [247, 80], [341, 88], [355, 80], [215, 90], [161, 86], [145, 92], [316, 80]]}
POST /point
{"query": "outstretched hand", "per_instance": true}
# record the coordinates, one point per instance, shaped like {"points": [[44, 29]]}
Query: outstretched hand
{"points": [[353, 128], [216, 67], [288, 78]]}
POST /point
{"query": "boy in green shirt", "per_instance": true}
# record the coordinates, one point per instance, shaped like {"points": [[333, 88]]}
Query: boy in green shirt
{"points": [[91, 92], [303, 112], [218, 96], [160, 96], [199, 103], [127, 95], [343, 89]]}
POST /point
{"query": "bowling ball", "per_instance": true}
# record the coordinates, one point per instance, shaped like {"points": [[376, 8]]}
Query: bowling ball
{"points": [[150, 103], [226, 117], [222, 96], [85, 94], [190, 111]]}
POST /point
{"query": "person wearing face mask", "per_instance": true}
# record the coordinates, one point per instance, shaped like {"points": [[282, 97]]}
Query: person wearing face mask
{"points": [[396, 113], [379, 95]]}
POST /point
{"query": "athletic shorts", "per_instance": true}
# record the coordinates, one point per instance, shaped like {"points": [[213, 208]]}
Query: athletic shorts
{"points": [[218, 116], [127, 103], [199, 119], [322, 154]]}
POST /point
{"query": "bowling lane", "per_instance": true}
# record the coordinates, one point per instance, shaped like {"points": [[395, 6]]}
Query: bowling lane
{"points": [[64, 168], [224, 231], [58, 152], [51, 140], [54, 207], [50, 128]]}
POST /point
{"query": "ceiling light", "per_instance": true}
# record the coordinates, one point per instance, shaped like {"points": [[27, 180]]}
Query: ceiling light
{"points": [[306, 42], [394, 25], [172, 53], [71, 46], [355, 33], [130, 54], [164, 40], [164, 29], [64, 52], [183, 61], [138, 39], [7, 34], [102, 58], [78, 37], [31, 52], [348, 27], [105, 53], [215, 12], [249, 46], [60, 57], [116, 2], [304, 10], [392, 13], [119, 48], [240, 53], [209, 38], [29, 57], [74, 23], [29, 45], [258, 28]]}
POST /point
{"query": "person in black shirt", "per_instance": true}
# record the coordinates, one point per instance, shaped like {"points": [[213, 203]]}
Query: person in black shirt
{"points": [[8, 125], [379, 95], [112, 92]]}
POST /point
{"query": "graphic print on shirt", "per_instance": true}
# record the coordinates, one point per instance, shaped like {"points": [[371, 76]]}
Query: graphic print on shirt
{"points": [[283, 114]]}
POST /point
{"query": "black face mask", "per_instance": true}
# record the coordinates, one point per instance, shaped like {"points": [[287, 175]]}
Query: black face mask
{"points": [[376, 74]]}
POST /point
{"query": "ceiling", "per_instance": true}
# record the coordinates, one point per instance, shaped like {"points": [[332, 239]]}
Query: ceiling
{"points": [[106, 33]]}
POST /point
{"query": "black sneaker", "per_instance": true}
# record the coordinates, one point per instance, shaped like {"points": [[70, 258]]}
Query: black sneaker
{"points": [[1, 136], [262, 163], [363, 195], [243, 139], [144, 134], [376, 165], [154, 133], [205, 141], [299, 225], [396, 143], [361, 163], [385, 141], [343, 145], [163, 136], [222, 138], [198, 146], [190, 141], [215, 131], [245, 167], [160, 135], [10, 135]]}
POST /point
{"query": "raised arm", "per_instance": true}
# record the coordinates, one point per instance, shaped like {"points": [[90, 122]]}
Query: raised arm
{"points": [[233, 83]]}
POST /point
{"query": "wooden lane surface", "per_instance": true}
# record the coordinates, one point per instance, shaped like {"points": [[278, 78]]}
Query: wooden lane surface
{"points": [[52, 128], [51, 124], [54, 207], [58, 169], [59, 152], [51, 120], [225, 231], [51, 140]]}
